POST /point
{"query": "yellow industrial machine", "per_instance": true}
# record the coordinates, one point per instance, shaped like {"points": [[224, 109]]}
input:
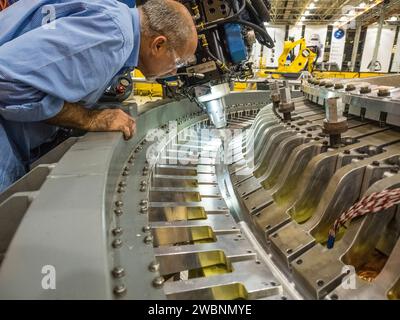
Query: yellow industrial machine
{"points": [[290, 65], [155, 90], [305, 60], [145, 88]]}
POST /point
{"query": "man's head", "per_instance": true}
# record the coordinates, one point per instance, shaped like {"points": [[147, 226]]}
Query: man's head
{"points": [[168, 37]]}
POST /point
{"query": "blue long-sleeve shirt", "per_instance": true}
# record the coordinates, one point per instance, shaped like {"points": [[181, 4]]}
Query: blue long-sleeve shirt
{"points": [[52, 51]]}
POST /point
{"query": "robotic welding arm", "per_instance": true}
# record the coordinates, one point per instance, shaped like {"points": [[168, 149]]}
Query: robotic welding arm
{"points": [[227, 30]]}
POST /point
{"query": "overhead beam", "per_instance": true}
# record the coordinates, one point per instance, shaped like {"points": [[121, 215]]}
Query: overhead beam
{"points": [[288, 9]]}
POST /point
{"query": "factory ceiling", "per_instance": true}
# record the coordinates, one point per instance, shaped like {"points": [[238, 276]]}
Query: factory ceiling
{"points": [[335, 12]]}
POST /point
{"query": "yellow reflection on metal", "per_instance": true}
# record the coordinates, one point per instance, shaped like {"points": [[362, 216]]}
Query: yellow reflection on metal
{"points": [[374, 265], [212, 263], [394, 292], [169, 196], [234, 291], [304, 212], [202, 235], [183, 235], [181, 213]]}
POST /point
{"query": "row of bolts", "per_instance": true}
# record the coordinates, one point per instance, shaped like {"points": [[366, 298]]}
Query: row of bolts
{"points": [[364, 89], [118, 271]]}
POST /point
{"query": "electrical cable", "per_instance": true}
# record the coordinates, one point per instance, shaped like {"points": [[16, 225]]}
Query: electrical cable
{"points": [[374, 203], [262, 9], [267, 40], [265, 37], [253, 12]]}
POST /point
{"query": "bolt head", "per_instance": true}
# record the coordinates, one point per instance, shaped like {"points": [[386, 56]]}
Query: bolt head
{"points": [[158, 282], [338, 86], [148, 239], [146, 228], [365, 89], [119, 290], [138, 149], [121, 190], [119, 203], [117, 243], [383, 92], [118, 212], [117, 231], [118, 272], [154, 266]]}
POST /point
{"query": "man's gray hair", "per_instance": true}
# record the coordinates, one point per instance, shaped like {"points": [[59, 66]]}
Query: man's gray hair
{"points": [[163, 18]]}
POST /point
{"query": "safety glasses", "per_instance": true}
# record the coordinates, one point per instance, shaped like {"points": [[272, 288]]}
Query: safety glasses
{"points": [[180, 62]]}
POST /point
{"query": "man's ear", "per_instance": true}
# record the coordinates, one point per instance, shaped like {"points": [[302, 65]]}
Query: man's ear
{"points": [[159, 44]]}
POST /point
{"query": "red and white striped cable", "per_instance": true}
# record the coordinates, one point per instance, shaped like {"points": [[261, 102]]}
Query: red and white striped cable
{"points": [[375, 202]]}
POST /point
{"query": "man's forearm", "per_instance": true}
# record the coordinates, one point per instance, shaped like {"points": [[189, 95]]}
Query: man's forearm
{"points": [[73, 115], [76, 116]]}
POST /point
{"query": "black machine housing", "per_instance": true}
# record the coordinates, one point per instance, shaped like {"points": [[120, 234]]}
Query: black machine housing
{"points": [[227, 30]]}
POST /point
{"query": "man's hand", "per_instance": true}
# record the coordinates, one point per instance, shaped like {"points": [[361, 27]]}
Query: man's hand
{"points": [[112, 120], [74, 115]]}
